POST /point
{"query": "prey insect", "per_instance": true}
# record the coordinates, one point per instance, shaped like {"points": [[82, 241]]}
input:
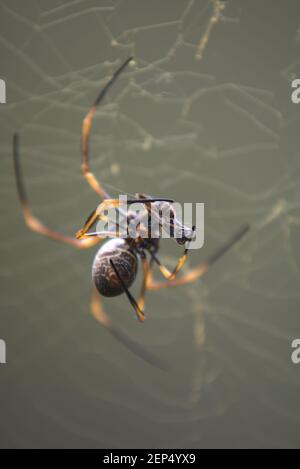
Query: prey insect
{"points": [[116, 262]]}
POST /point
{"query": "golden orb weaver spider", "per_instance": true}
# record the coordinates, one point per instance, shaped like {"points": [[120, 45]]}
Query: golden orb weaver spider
{"points": [[115, 264]]}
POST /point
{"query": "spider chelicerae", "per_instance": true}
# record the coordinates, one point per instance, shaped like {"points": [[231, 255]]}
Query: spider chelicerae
{"points": [[116, 262]]}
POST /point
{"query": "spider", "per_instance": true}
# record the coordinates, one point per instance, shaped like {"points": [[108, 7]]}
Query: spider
{"points": [[116, 262]]}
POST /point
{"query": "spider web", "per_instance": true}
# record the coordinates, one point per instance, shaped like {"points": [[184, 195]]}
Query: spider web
{"points": [[202, 115]]}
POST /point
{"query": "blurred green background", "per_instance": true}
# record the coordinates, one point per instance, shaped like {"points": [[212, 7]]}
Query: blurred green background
{"points": [[221, 130]]}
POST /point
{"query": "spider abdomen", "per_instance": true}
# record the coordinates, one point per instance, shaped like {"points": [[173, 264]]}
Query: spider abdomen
{"points": [[125, 261]]}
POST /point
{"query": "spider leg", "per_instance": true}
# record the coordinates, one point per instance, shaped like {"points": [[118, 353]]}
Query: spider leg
{"points": [[85, 135], [166, 273], [31, 221], [203, 267], [139, 313], [100, 315], [97, 215], [146, 276]]}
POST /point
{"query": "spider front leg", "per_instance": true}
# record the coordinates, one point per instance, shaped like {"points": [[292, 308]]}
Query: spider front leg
{"points": [[85, 135], [31, 221], [97, 215], [203, 267], [164, 270]]}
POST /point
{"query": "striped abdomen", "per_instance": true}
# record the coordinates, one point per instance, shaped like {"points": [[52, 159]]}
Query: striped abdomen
{"points": [[125, 261]]}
